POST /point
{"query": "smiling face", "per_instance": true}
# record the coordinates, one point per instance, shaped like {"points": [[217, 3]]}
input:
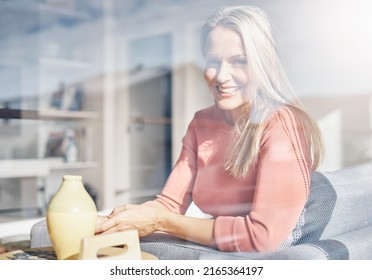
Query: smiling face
{"points": [[226, 71]]}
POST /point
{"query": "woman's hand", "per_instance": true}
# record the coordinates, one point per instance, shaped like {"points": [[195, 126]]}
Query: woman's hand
{"points": [[142, 218], [147, 219], [100, 220]]}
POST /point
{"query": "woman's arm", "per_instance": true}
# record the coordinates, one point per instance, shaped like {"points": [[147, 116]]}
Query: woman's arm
{"points": [[165, 212], [197, 230], [147, 220]]}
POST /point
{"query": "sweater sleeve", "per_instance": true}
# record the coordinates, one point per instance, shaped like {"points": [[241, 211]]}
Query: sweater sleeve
{"points": [[281, 191], [176, 195]]}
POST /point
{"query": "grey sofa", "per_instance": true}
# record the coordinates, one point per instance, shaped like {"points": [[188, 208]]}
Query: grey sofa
{"points": [[338, 225]]}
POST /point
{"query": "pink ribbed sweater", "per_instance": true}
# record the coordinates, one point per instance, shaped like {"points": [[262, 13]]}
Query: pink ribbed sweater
{"points": [[256, 213]]}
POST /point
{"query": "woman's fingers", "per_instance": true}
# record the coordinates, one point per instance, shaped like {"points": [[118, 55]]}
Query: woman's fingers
{"points": [[137, 217], [119, 209], [118, 220], [105, 225], [100, 220]]}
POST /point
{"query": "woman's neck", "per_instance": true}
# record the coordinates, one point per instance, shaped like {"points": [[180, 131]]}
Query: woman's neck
{"points": [[233, 116]]}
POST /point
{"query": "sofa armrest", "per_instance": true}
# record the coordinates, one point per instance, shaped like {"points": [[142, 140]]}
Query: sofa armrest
{"points": [[167, 247], [355, 245], [39, 236]]}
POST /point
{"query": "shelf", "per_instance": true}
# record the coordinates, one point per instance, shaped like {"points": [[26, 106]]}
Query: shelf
{"points": [[26, 168], [151, 121], [47, 114], [23, 168], [64, 114]]}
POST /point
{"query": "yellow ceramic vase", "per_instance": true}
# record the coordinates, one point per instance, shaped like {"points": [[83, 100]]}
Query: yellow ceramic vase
{"points": [[71, 216]]}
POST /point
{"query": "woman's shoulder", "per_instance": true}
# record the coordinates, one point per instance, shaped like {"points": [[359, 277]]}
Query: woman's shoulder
{"points": [[207, 119], [287, 119], [209, 116], [285, 114], [206, 113]]}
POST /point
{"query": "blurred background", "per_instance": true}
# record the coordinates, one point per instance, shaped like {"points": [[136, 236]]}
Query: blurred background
{"points": [[106, 88]]}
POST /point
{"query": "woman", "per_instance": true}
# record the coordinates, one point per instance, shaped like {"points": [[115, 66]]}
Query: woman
{"points": [[246, 160]]}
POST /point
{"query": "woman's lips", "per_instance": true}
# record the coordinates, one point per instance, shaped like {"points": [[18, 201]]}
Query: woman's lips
{"points": [[227, 92]]}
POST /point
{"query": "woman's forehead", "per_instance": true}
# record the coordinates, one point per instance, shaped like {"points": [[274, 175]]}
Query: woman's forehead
{"points": [[223, 40]]}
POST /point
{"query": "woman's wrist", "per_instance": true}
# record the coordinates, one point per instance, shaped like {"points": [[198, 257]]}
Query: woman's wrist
{"points": [[183, 227], [162, 222]]}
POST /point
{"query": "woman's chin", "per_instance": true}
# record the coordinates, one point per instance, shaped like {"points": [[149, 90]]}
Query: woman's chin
{"points": [[229, 105]]}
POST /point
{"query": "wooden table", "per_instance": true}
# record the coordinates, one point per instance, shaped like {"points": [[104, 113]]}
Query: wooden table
{"points": [[47, 253], [30, 254]]}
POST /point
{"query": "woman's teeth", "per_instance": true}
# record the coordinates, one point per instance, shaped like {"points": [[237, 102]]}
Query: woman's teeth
{"points": [[228, 90]]}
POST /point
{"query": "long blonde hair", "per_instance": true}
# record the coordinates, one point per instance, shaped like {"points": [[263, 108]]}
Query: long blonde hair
{"points": [[269, 87]]}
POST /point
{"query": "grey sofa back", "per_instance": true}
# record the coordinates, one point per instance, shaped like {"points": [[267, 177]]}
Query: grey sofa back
{"points": [[353, 207], [340, 202]]}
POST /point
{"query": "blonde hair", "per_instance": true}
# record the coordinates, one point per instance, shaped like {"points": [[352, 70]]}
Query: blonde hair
{"points": [[269, 86]]}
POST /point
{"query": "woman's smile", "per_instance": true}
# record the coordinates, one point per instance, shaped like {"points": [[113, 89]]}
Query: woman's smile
{"points": [[227, 92]]}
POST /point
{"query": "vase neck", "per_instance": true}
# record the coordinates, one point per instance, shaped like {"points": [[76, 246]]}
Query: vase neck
{"points": [[72, 178]]}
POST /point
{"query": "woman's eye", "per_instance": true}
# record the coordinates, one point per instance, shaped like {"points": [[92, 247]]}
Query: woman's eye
{"points": [[239, 61], [213, 62]]}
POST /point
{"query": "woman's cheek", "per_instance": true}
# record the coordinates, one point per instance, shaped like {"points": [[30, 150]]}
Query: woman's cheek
{"points": [[209, 73]]}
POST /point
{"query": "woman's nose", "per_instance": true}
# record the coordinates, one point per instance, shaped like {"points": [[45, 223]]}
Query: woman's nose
{"points": [[223, 72]]}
